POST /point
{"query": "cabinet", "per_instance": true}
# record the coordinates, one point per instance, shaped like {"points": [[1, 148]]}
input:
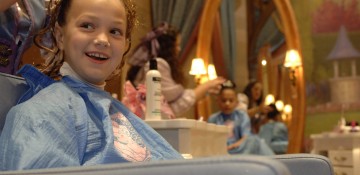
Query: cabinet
{"points": [[193, 138], [343, 150]]}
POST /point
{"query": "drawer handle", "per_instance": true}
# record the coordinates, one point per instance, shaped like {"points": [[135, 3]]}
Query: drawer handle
{"points": [[340, 159]]}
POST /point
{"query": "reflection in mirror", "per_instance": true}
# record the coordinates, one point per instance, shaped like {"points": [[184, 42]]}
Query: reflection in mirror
{"points": [[272, 31]]}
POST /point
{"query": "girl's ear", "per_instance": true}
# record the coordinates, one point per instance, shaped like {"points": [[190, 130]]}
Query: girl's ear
{"points": [[59, 35]]}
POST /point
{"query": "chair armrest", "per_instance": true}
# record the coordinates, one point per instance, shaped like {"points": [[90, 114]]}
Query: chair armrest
{"points": [[229, 165], [309, 164]]}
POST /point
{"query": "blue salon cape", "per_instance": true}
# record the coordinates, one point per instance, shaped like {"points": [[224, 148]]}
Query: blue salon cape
{"points": [[68, 123], [240, 123], [275, 135]]}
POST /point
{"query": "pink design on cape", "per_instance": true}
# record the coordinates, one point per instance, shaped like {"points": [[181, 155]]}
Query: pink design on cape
{"points": [[127, 141]]}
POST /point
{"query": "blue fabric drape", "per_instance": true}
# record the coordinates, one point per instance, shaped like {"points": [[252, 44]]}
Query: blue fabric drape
{"points": [[182, 14], [227, 11], [270, 34]]}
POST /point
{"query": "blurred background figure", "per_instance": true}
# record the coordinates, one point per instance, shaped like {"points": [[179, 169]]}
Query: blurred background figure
{"points": [[256, 107], [274, 132], [240, 139], [163, 43], [243, 102], [19, 21]]}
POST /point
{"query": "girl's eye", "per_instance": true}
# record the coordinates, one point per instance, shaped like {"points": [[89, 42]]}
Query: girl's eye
{"points": [[116, 32], [87, 26]]}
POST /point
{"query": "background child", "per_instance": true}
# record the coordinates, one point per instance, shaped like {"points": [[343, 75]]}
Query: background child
{"points": [[240, 140], [274, 132], [73, 121]]}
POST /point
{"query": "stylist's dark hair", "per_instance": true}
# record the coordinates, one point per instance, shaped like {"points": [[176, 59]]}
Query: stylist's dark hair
{"points": [[247, 92], [167, 51]]}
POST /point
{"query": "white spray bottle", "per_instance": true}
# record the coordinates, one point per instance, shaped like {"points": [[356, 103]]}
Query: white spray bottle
{"points": [[153, 92]]}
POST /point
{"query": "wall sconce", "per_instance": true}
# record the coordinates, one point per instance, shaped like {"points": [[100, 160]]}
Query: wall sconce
{"points": [[287, 109], [212, 72], [269, 99], [279, 105], [197, 69], [287, 112], [263, 62], [292, 61]]}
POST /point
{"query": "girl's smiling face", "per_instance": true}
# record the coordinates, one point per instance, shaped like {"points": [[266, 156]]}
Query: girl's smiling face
{"points": [[93, 38]]}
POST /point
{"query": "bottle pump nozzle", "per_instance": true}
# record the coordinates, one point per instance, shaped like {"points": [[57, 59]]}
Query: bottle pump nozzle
{"points": [[153, 64]]}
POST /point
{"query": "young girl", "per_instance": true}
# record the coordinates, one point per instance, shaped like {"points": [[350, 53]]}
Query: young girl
{"points": [[274, 132], [73, 121], [240, 139]]}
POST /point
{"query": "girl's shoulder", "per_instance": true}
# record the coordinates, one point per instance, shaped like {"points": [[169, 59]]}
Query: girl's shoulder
{"points": [[58, 88], [57, 94], [280, 124], [162, 62], [213, 117], [241, 113], [54, 101]]}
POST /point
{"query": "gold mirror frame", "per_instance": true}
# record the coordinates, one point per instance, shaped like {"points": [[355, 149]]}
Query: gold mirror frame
{"points": [[296, 132]]}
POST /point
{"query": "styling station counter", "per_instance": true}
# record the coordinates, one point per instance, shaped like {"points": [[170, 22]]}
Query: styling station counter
{"points": [[193, 138], [343, 149]]}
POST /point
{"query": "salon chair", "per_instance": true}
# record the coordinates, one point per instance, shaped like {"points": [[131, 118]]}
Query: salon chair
{"points": [[229, 165], [306, 164], [12, 87]]}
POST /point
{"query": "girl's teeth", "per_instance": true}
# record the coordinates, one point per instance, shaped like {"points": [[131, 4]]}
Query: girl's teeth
{"points": [[97, 55]]}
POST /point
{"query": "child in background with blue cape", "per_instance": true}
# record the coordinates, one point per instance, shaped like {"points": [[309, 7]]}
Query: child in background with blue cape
{"points": [[240, 139]]}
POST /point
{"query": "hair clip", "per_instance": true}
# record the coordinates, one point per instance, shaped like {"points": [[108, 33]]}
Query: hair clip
{"points": [[228, 84]]}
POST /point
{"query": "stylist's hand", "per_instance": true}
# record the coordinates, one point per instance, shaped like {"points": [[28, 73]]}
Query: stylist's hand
{"points": [[214, 85], [264, 108]]}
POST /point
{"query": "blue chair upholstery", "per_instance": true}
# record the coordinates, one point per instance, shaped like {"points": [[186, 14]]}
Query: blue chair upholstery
{"points": [[11, 88], [309, 164], [229, 165]]}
